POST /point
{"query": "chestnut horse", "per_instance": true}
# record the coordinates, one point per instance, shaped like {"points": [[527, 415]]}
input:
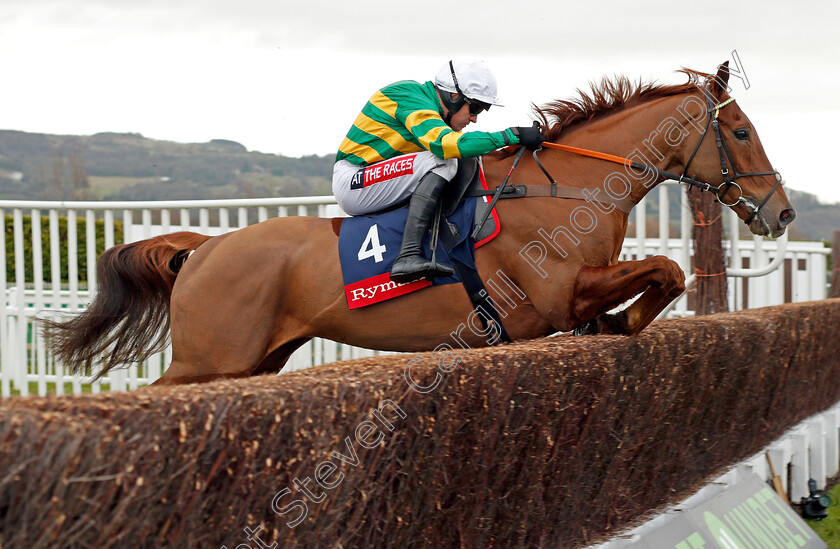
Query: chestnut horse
{"points": [[244, 301]]}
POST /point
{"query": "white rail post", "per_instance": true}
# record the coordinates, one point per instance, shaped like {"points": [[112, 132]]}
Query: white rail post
{"points": [[816, 451], [798, 466], [38, 346], [90, 248], [758, 289], [777, 455], [133, 373], [794, 277], [90, 272], [805, 281], [224, 220], [832, 442], [146, 221], [776, 279], [317, 350], [686, 223], [109, 229], [165, 221], [641, 229], [154, 367], [817, 266], [73, 277], [330, 351], [737, 284], [664, 219], [21, 364], [128, 222], [55, 278]]}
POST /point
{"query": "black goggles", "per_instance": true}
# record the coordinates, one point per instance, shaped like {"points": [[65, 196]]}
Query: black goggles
{"points": [[476, 106]]}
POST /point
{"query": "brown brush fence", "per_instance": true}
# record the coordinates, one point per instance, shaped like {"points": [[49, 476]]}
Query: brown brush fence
{"points": [[548, 443]]}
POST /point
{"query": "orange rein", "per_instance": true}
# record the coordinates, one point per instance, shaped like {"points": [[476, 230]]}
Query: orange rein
{"points": [[587, 152], [631, 163]]}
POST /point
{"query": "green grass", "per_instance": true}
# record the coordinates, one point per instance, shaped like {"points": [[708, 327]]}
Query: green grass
{"points": [[829, 528], [33, 389], [68, 388]]}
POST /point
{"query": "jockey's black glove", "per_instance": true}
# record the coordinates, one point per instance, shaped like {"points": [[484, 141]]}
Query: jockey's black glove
{"points": [[529, 136]]}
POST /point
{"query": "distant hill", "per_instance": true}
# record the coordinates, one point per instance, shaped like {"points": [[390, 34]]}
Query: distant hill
{"points": [[119, 166], [814, 220]]}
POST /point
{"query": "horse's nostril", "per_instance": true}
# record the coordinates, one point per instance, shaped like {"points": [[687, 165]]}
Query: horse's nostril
{"points": [[787, 216]]}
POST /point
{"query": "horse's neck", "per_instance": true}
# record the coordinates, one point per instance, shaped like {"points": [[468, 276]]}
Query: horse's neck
{"points": [[655, 133]]}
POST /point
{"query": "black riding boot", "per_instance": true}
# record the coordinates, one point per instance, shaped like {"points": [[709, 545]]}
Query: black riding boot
{"points": [[410, 264]]}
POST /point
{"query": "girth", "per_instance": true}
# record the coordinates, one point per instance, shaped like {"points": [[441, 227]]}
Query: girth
{"points": [[471, 280], [464, 184], [538, 191]]}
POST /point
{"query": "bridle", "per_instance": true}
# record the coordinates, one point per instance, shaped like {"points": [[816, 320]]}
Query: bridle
{"points": [[729, 177], [726, 160]]}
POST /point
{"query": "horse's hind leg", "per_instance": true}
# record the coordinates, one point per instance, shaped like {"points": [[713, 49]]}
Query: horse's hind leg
{"points": [[277, 358], [599, 289], [182, 372]]}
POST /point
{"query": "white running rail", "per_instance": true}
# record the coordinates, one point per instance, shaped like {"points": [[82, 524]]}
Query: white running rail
{"points": [[780, 271]]}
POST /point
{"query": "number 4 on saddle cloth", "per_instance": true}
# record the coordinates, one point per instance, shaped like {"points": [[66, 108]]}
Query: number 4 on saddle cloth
{"points": [[368, 245]]}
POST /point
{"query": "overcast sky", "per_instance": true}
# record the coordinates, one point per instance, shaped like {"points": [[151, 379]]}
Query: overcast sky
{"points": [[290, 77]]}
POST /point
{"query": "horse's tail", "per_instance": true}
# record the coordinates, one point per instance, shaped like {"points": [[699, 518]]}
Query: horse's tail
{"points": [[128, 319]]}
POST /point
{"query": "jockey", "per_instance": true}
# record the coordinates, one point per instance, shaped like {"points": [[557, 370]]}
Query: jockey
{"points": [[404, 145]]}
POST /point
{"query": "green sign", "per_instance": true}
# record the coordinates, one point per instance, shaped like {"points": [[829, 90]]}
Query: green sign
{"points": [[748, 515]]}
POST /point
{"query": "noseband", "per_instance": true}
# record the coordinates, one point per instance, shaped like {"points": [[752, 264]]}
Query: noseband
{"points": [[729, 177]]}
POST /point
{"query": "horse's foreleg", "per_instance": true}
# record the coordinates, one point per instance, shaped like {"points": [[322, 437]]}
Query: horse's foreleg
{"points": [[599, 289]]}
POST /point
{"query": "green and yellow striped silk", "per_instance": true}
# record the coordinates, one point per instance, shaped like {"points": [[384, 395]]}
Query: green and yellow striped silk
{"points": [[406, 117]]}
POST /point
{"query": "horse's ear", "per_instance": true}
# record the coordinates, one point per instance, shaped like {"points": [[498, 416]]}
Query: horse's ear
{"points": [[721, 80]]}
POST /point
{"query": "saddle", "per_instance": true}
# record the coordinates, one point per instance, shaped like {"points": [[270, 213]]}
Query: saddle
{"points": [[369, 244]]}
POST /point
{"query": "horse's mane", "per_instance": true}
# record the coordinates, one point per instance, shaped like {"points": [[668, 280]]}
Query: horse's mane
{"points": [[610, 95]]}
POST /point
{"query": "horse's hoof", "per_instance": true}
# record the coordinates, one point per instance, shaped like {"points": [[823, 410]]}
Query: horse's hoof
{"points": [[605, 324], [592, 327]]}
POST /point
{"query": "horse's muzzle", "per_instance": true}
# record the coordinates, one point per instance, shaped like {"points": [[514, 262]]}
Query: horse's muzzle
{"points": [[765, 225]]}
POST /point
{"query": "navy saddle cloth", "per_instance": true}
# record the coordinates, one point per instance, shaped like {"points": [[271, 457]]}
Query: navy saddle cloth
{"points": [[368, 246]]}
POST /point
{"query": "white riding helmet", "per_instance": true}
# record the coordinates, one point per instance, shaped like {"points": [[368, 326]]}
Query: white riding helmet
{"points": [[470, 78]]}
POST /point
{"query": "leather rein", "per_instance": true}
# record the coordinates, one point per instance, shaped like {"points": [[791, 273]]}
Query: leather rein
{"points": [[730, 176]]}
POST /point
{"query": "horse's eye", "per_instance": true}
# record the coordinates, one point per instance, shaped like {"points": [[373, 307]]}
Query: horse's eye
{"points": [[743, 134]]}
